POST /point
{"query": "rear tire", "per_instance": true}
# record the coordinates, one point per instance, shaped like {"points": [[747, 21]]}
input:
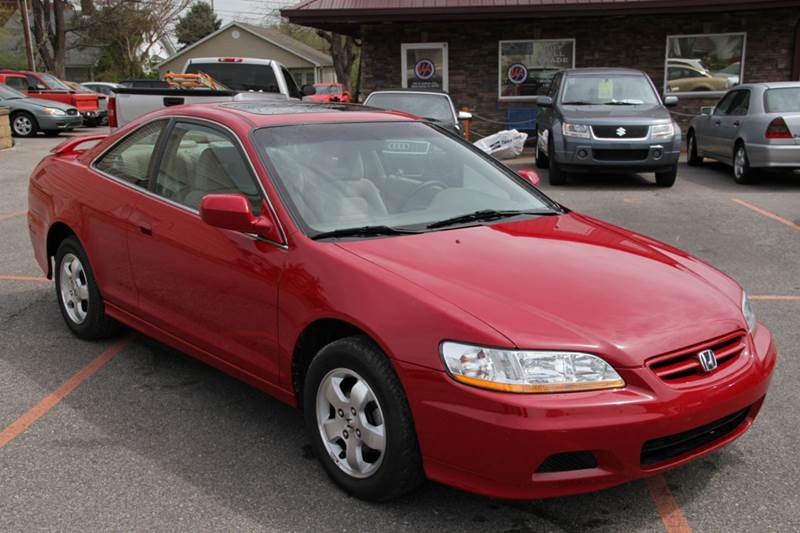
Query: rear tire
{"points": [[78, 296], [23, 124], [379, 412], [693, 159], [556, 175], [742, 173], [667, 179]]}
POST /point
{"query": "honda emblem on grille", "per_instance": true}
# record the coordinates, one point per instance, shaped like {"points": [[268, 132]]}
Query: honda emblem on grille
{"points": [[621, 132], [707, 360]]}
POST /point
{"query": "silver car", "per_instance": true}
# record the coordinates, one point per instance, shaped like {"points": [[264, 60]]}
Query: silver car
{"points": [[754, 126]]}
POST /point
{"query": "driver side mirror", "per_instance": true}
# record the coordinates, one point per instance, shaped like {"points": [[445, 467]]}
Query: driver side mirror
{"points": [[544, 101], [307, 90], [529, 175], [707, 111], [670, 101], [464, 115], [232, 211]]}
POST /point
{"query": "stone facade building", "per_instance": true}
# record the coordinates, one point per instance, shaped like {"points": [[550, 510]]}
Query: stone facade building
{"points": [[494, 56]]}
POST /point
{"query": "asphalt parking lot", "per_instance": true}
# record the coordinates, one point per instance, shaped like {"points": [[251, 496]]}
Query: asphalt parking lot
{"points": [[155, 440]]}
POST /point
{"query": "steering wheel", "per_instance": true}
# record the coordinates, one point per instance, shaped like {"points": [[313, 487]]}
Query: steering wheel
{"points": [[422, 187]]}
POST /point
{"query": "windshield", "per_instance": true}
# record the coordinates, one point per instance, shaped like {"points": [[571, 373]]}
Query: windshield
{"points": [[395, 174], [598, 90], [240, 76], [431, 106], [327, 89], [7, 93], [54, 83], [783, 100]]}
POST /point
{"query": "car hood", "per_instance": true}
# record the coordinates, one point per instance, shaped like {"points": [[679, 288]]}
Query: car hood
{"points": [[40, 102], [568, 283], [614, 114]]}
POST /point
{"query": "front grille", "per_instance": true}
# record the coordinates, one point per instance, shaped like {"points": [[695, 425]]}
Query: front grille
{"points": [[72, 112], [665, 448], [683, 366], [613, 132], [620, 155], [563, 462]]}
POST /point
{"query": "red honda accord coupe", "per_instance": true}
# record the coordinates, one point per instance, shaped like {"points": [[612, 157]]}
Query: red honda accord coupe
{"points": [[432, 313]]}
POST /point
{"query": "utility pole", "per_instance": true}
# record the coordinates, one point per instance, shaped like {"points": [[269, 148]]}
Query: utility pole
{"points": [[26, 30]]}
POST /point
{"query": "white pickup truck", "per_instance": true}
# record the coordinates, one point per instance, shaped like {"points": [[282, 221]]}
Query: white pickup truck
{"points": [[247, 79]]}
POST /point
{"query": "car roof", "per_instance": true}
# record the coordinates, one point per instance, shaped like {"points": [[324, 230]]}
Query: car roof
{"points": [[407, 90], [594, 71], [259, 113], [767, 85]]}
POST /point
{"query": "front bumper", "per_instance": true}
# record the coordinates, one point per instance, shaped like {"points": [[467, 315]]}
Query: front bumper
{"points": [[585, 155], [785, 156], [494, 443], [66, 122]]}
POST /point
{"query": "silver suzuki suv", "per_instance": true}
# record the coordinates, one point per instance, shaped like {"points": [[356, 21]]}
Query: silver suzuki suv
{"points": [[606, 120]]}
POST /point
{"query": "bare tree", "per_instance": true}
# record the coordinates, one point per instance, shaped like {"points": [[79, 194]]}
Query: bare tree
{"points": [[50, 33], [344, 51]]}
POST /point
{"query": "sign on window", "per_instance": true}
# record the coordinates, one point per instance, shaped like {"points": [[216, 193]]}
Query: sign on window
{"points": [[526, 68], [424, 65]]}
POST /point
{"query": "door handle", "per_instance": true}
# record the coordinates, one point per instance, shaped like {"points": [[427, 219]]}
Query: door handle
{"points": [[737, 123], [146, 231], [717, 122], [173, 100]]}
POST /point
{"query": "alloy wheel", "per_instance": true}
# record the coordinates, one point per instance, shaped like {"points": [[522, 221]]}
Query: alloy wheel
{"points": [[739, 162], [351, 423], [74, 288], [23, 126]]}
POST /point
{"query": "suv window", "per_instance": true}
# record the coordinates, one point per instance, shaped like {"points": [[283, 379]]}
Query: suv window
{"points": [[200, 160], [294, 92], [130, 159], [725, 103], [555, 86]]}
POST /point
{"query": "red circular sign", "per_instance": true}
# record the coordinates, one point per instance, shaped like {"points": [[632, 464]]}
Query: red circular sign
{"points": [[424, 69], [517, 73]]}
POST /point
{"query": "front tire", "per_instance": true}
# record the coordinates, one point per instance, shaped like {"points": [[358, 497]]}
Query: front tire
{"points": [[667, 178], [742, 173], [541, 158], [23, 124], [359, 421], [693, 159], [556, 176], [78, 296]]}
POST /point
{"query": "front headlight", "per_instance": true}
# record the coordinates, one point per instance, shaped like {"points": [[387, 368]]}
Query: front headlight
{"points": [[749, 315], [662, 131], [528, 371], [53, 111], [575, 130]]}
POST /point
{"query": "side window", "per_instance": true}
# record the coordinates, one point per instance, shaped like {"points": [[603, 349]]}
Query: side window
{"points": [[556, 85], [199, 160], [130, 159], [17, 82], [740, 104], [34, 82], [290, 84], [725, 103]]}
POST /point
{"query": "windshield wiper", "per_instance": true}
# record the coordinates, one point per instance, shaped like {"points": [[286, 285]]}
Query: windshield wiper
{"points": [[363, 231], [578, 102], [484, 215], [623, 102]]}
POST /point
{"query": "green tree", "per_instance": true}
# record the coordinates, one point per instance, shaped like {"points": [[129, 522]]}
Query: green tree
{"points": [[198, 22]]}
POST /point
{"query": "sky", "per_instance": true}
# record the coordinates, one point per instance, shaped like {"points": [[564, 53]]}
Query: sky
{"points": [[252, 11]]}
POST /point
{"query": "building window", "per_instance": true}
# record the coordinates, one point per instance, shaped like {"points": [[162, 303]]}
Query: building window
{"points": [[424, 65], [303, 76], [705, 63], [526, 68]]}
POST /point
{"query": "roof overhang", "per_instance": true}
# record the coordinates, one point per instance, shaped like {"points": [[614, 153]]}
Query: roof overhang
{"points": [[342, 17]]}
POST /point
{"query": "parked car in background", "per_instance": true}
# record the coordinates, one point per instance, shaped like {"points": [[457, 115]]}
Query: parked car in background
{"points": [[755, 126], [684, 77], [606, 120], [436, 106], [144, 84], [102, 103], [48, 87], [456, 324], [249, 74], [329, 92], [102, 87], [31, 115]]}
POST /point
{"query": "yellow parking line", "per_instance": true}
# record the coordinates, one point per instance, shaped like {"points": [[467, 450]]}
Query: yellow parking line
{"points": [[24, 278], [775, 297], [5, 216], [671, 514]]}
